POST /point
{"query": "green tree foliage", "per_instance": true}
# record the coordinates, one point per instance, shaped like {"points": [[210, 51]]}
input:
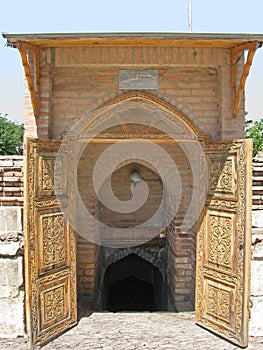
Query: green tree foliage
{"points": [[254, 130], [11, 136]]}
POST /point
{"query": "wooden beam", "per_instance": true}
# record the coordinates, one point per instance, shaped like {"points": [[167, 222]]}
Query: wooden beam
{"points": [[136, 141], [135, 39], [238, 91], [33, 82], [245, 46]]}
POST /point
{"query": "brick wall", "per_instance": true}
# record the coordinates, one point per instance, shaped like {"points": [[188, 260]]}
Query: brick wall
{"points": [[11, 181], [181, 261], [78, 91], [74, 81], [121, 187]]}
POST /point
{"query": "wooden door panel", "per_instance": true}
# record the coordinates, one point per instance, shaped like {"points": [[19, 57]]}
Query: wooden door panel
{"points": [[50, 177], [219, 239], [220, 303], [222, 175], [50, 247], [53, 301], [224, 242]]}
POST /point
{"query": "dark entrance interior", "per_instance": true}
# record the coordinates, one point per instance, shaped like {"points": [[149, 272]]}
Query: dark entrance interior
{"points": [[130, 294], [133, 284]]}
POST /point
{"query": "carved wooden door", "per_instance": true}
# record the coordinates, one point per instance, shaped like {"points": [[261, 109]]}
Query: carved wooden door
{"points": [[50, 253], [224, 242]]}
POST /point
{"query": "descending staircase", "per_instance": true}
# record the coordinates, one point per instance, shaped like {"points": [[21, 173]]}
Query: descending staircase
{"points": [[257, 184], [11, 181], [257, 199]]}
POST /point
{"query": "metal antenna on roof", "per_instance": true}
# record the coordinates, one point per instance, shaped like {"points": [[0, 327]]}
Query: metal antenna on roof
{"points": [[190, 15]]}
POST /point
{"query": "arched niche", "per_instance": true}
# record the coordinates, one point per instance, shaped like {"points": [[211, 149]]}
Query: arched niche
{"points": [[137, 108], [133, 284]]}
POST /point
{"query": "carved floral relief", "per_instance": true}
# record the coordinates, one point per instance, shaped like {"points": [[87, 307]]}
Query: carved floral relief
{"points": [[50, 249], [53, 240], [220, 239], [222, 175], [51, 175], [54, 303], [218, 303]]}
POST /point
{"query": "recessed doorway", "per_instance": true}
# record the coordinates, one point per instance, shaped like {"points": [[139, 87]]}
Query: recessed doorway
{"points": [[133, 284]]}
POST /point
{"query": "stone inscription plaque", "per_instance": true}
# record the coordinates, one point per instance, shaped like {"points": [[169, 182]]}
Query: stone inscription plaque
{"points": [[138, 79]]}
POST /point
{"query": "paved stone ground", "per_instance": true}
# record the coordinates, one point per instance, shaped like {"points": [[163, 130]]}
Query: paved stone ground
{"points": [[135, 331]]}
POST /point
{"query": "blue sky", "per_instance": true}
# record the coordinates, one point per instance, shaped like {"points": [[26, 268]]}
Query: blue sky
{"points": [[31, 16]]}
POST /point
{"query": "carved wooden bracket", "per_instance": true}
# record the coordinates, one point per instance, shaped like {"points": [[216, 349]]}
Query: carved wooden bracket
{"points": [[237, 90], [30, 58]]}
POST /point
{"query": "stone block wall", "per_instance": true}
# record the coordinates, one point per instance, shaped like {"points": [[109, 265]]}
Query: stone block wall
{"points": [[11, 247], [256, 323], [11, 285]]}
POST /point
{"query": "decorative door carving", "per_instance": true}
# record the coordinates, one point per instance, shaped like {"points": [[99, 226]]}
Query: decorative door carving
{"points": [[224, 242], [50, 252]]}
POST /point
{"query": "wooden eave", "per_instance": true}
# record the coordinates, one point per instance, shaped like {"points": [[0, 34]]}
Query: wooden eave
{"points": [[236, 43], [137, 39], [33, 82], [238, 87]]}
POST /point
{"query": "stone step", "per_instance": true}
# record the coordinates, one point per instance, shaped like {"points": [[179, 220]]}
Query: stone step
{"points": [[11, 189], [14, 179], [256, 171], [11, 199], [10, 168], [256, 207], [257, 178], [257, 197], [257, 230], [257, 188], [257, 202]]}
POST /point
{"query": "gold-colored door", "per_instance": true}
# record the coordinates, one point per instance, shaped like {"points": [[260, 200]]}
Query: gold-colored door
{"points": [[50, 248], [224, 242]]}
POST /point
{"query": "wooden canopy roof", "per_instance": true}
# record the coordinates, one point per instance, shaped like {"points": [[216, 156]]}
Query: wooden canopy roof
{"points": [[235, 42], [151, 39]]}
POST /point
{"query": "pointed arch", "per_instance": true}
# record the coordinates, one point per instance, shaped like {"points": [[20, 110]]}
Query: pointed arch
{"points": [[115, 255], [135, 104], [138, 162], [144, 254], [128, 273]]}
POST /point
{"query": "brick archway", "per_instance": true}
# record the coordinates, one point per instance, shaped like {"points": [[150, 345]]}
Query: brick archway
{"points": [[133, 284], [154, 256], [184, 289], [116, 108]]}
